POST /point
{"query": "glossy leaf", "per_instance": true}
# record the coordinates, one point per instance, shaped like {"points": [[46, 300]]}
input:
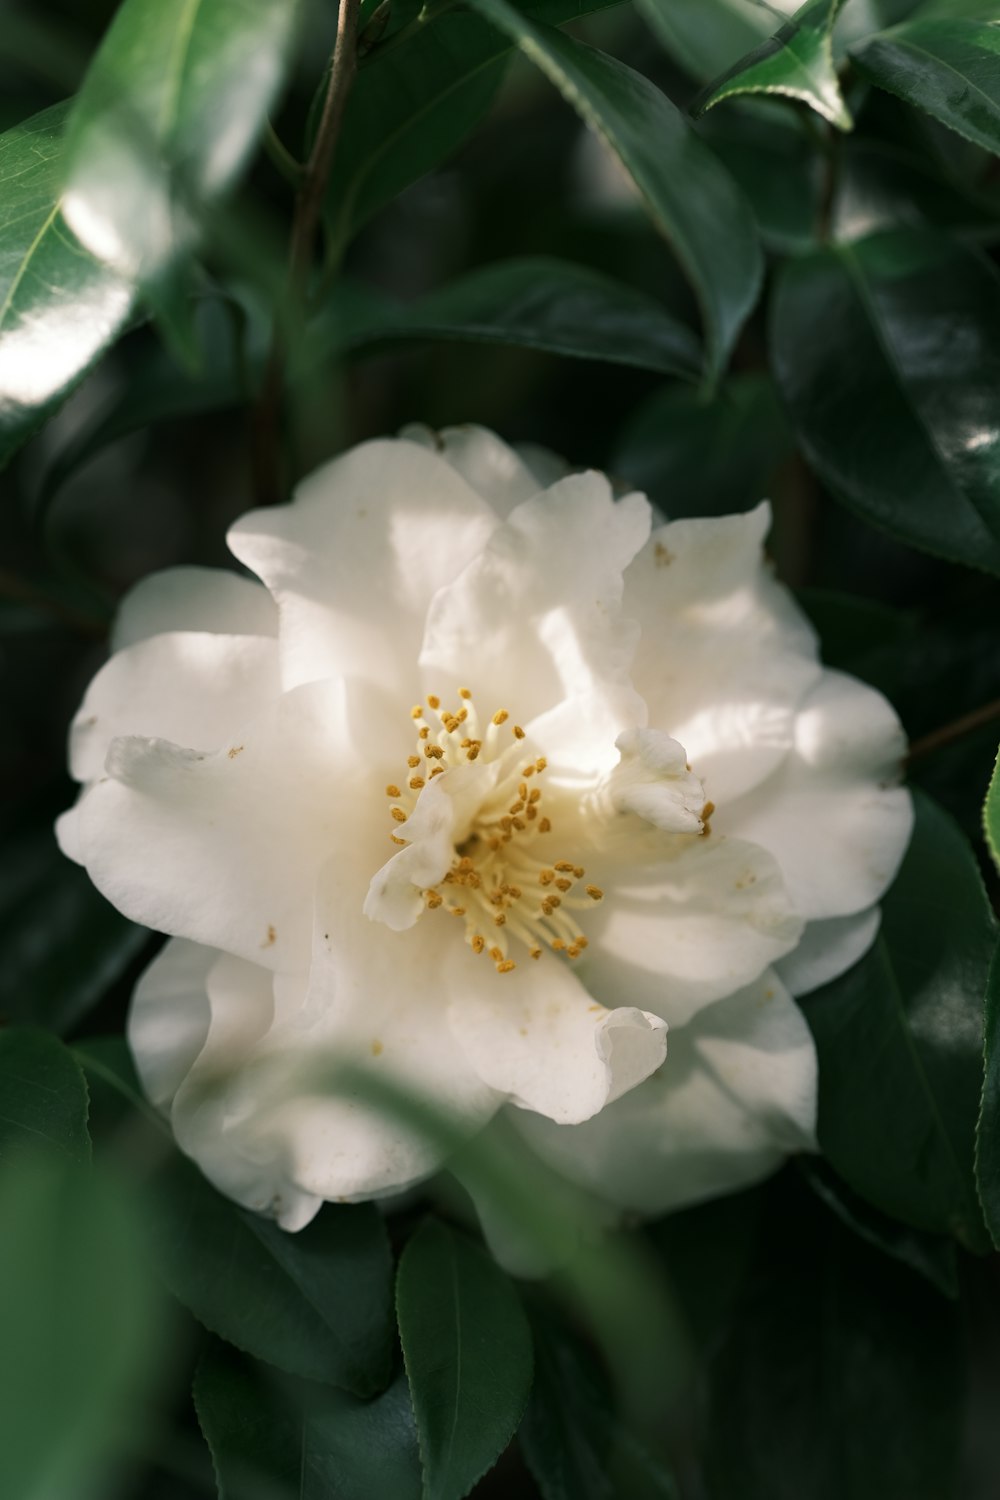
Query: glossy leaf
{"points": [[900, 1041], [988, 1132], [882, 186], [316, 1303], [695, 456], [841, 1375], [43, 1096], [81, 1341], [948, 67], [165, 121], [274, 1439], [467, 1348], [991, 814], [59, 308], [797, 62], [688, 195], [63, 944], [768, 148], [543, 304], [887, 353], [414, 101]]}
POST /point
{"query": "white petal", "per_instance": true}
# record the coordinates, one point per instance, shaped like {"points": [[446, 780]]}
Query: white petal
{"points": [[169, 1018], [652, 780], [193, 688], [828, 949], [225, 849], [725, 655], [212, 599], [495, 471], [536, 1035], [355, 559], [736, 1094], [538, 610], [67, 831], [832, 814], [692, 931]]}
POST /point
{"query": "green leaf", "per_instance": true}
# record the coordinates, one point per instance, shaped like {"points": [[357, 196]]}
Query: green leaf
{"points": [[317, 1303], [467, 1347], [708, 36], [537, 303], [887, 353], [274, 1439], [168, 114], [988, 1129], [797, 61], [769, 149], [842, 1375], [63, 944], [81, 1341], [572, 1443], [688, 195], [991, 814], [882, 186], [900, 1041], [695, 456], [950, 68], [43, 1096], [59, 308], [414, 101]]}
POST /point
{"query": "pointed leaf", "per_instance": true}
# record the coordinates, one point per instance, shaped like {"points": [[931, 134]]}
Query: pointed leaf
{"points": [[467, 1347], [991, 814], [59, 307], [887, 353], [900, 1041], [43, 1096], [797, 61], [950, 68], [165, 121]]}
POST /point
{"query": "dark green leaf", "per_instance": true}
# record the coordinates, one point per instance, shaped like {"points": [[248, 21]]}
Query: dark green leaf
{"points": [[695, 456], [275, 1439], [888, 355], [842, 1375], [467, 1347], [540, 303], [571, 1440], [991, 814], [950, 68], [63, 944], [59, 308], [688, 195], [317, 1303], [167, 116], [988, 1132], [81, 1337], [930, 1255], [797, 61], [769, 149], [900, 1041], [43, 1096], [708, 36], [881, 186]]}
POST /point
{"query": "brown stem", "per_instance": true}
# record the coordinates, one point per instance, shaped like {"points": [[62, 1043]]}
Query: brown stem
{"points": [[269, 480], [957, 730]]}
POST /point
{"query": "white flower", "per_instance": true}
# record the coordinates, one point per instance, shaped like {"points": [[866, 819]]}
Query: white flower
{"points": [[628, 798]]}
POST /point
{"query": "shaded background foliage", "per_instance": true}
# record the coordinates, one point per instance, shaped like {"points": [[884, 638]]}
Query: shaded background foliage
{"points": [[777, 275]]}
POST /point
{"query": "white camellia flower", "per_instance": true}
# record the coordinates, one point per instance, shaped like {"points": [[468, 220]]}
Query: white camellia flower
{"points": [[503, 789]]}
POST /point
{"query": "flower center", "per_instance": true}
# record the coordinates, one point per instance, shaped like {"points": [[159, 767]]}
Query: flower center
{"points": [[502, 882]]}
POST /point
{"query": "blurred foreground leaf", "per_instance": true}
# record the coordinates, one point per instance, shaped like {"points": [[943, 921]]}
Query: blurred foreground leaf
{"points": [[887, 353], [59, 307], [43, 1096], [708, 36], [80, 1338], [900, 1041], [689, 196], [797, 61], [273, 1439], [467, 1347], [950, 68]]}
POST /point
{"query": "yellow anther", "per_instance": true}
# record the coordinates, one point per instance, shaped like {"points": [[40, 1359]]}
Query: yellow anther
{"points": [[396, 840], [573, 951], [516, 807], [541, 763], [563, 865], [554, 901], [392, 790], [423, 733], [535, 795], [450, 722], [564, 884], [579, 871], [514, 892], [500, 717], [478, 943], [535, 952], [472, 753], [417, 711], [595, 893], [557, 944], [506, 966], [464, 693], [496, 954], [434, 752], [413, 761], [544, 826], [529, 771], [398, 814], [518, 732], [462, 715], [531, 812], [457, 911], [432, 701], [522, 791], [546, 877], [581, 942], [437, 771], [415, 783], [434, 899], [520, 824], [500, 919]]}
